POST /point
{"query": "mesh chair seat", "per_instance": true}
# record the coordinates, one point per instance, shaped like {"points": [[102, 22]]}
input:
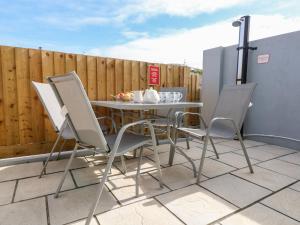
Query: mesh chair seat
{"points": [[129, 141], [161, 122], [216, 133]]}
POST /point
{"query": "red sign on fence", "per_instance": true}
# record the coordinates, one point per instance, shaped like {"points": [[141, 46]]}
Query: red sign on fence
{"points": [[154, 75]]}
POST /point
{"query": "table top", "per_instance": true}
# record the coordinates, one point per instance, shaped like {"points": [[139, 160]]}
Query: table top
{"points": [[145, 106]]}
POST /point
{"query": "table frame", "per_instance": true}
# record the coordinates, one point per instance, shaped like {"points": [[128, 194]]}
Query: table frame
{"points": [[148, 106]]}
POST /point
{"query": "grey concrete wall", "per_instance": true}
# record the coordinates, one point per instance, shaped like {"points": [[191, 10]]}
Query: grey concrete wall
{"points": [[276, 109]]}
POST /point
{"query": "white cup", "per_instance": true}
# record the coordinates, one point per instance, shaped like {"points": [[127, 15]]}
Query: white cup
{"points": [[177, 96], [162, 96], [169, 96]]}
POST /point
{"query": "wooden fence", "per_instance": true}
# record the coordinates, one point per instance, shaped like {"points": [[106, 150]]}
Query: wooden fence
{"points": [[24, 126]]}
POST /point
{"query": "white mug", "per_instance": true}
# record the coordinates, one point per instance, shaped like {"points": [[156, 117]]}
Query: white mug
{"points": [[138, 96]]}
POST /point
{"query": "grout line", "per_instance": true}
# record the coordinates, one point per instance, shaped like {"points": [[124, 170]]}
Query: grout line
{"points": [[219, 160], [253, 203], [276, 172], [250, 181], [23, 178], [73, 179], [114, 196], [97, 221], [155, 199], [14, 193], [47, 210], [294, 189], [158, 181], [279, 212], [289, 162], [217, 195]]}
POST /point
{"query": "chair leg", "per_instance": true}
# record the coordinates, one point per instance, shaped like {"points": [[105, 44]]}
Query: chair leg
{"points": [[187, 142], [156, 139], [189, 159], [66, 171], [100, 189], [123, 164], [138, 173], [214, 147], [51, 153], [158, 166], [202, 159], [134, 153], [60, 149], [245, 151]]}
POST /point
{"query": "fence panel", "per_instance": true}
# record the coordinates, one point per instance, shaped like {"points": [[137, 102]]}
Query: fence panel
{"points": [[24, 126]]}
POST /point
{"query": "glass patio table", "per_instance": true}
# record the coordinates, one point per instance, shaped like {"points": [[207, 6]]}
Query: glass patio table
{"points": [[170, 106]]}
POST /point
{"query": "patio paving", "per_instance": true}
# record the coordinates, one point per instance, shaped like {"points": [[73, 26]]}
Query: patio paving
{"points": [[227, 195]]}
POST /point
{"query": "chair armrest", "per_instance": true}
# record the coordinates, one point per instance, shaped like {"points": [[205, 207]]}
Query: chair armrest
{"points": [[180, 116], [124, 128], [113, 123], [222, 118]]}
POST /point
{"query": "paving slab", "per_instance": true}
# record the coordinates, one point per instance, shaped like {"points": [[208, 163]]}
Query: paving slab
{"points": [[282, 167], [266, 178], [36, 187], [30, 212], [123, 187], [147, 212], [235, 190], [286, 201], [195, 205], [20, 171], [75, 204], [258, 215], [6, 192]]}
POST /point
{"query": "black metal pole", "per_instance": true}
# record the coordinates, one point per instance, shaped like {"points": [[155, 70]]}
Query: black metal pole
{"points": [[243, 47]]}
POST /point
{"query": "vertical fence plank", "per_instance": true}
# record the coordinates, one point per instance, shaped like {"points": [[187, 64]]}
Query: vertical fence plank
{"points": [[119, 78], [135, 81], [143, 75], [10, 95], [176, 79], [23, 90], [110, 74], [35, 73], [127, 75], [59, 63], [181, 76], [101, 79], [3, 132], [92, 77], [163, 75], [81, 69], [170, 76], [101, 82], [48, 70], [70, 60]]}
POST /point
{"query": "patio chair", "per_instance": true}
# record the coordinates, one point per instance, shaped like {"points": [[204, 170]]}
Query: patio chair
{"points": [[58, 121], [161, 122], [53, 109], [87, 131], [226, 122]]}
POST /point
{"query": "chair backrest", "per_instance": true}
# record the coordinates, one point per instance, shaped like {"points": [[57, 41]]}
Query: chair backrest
{"points": [[79, 112], [233, 103], [50, 103], [182, 90]]}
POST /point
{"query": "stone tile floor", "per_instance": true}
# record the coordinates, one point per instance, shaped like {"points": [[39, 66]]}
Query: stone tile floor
{"points": [[227, 195]]}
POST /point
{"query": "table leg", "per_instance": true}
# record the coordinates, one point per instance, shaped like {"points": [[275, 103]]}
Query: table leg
{"points": [[172, 135]]}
